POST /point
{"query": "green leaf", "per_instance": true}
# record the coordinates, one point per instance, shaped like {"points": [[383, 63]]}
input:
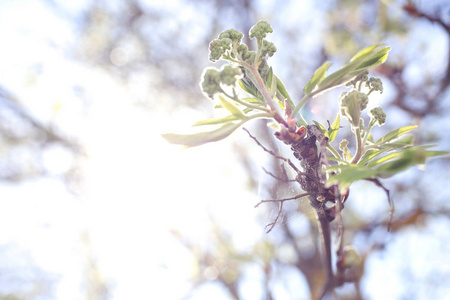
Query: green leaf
{"points": [[404, 141], [318, 76], [282, 90], [373, 58], [349, 174], [231, 107], [370, 154], [384, 159], [364, 59], [249, 89], [219, 121], [271, 83], [251, 100], [393, 134], [334, 128], [364, 53], [406, 159], [339, 77], [197, 139], [215, 121], [269, 78]]}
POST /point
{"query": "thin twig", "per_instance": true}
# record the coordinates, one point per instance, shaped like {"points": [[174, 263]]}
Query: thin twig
{"points": [[275, 155], [390, 202], [284, 199], [277, 177], [272, 225]]}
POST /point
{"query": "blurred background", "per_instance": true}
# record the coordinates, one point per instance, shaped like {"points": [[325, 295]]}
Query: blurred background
{"points": [[96, 205]]}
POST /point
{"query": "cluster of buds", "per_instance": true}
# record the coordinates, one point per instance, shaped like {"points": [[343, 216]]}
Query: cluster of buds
{"points": [[213, 79], [355, 101]]}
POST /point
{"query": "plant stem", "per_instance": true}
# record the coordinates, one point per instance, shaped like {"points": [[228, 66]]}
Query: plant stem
{"points": [[300, 105], [369, 128], [359, 146], [333, 151], [325, 237], [249, 105], [268, 115], [265, 93]]}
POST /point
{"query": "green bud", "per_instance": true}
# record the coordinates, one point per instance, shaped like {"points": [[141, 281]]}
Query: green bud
{"points": [[213, 78], [375, 84], [264, 69], [234, 35], [363, 76], [249, 57], [343, 146], [218, 47], [268, 48], [260, 30], [228, 75], [377, 114], [242, 50], [211, 82], [352, 103]]}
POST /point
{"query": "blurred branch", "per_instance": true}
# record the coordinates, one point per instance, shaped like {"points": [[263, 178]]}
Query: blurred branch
{"points": [[431, 97], [12, 103], [23, 133]]}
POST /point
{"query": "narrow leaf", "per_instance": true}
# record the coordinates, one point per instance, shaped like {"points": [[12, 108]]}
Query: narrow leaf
{"points": [[251, 100], [370, 154], [249, 89], [393, 134], [318, 76], [273, 86], [219, 121], [231, 107], [366, 58], [362, 54], [337, 78], [407, 158], [349, 174], [269, 78], [403, 141], [334, 128], [197, 139], [215, 121], [282, 90], [384, 159]]}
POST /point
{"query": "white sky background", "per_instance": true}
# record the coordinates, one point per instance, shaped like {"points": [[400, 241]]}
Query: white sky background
{"points": [[137, 187]]}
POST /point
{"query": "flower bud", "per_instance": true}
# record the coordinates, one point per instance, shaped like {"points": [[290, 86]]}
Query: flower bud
{"points": [[377, 114], [352, 104]]}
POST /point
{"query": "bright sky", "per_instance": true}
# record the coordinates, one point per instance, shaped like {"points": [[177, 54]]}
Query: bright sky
{"points": [[136, 189]]}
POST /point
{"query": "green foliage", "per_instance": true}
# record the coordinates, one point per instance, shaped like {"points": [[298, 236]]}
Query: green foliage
{"points": [[318, 76], [196, 139], [267, 97]]}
